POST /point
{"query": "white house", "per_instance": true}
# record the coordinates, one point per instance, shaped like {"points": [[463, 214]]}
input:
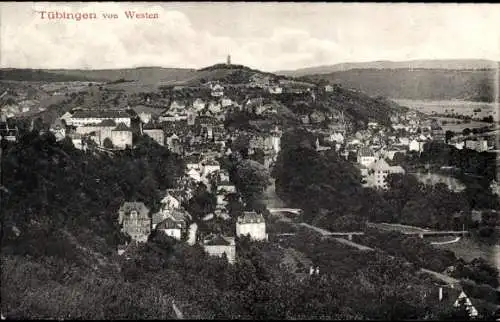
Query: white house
{"points": [[478, 145], [198, 104], [210, 167], [195, 175], [225, 102], [214, 107], [416, 145], [366, 156], [217, 90], [253, 224], [218, 245], [169, 202]]}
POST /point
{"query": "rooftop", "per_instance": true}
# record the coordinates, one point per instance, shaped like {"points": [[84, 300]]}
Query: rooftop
{"points": [[366, 152], [249, 217], [102, 114], [137, 206], [122, 127], [218, 240]]}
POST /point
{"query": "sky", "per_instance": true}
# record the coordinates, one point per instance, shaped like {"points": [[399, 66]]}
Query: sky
{"points": [[267, 36]]}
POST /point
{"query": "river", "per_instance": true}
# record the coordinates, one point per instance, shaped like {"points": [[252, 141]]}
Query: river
{"points": [[465, 248]]}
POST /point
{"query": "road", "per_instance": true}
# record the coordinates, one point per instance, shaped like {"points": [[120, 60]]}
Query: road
{"points": [[327, 233], [446, 242], [272, 200]]}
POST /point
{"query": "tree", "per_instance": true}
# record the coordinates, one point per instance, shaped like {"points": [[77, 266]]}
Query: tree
{"points": [[466, 132], [107, 143], [448, 135], [251, 178]]}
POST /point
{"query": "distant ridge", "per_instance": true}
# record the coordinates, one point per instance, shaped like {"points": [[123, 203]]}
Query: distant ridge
{"points": [[447, 64], [147, 75]]}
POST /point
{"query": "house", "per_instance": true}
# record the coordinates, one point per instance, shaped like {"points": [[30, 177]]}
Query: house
{"points": [[77, 141], [366, 156], [195, 175], [214, 107], [198, 104], [210, 166], [328, 88], [156, 134], [275, 90], [176, 106], [404, 141], [375, 174], [335, 137], [169, 202], [438, 134], [253, 224], [87, 117], [146, 113], [192, 230], [225, 102], [174, 225], [66, 117], [478, 145], [121, 136], [134, 219], [416, 145], [218, 245], [450, 296], [58, 129], [226, 186], [193, 162], [217, 90], [221, 212], [223, 175]]}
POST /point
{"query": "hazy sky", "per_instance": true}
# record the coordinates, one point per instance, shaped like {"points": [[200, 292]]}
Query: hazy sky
{"points": [[268, 36]]}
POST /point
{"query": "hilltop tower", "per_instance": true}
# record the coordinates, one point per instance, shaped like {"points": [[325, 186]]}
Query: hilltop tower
{"points": [[229, 59]]}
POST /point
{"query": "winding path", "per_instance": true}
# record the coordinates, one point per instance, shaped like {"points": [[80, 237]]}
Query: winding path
{"points": [[447, 242]]}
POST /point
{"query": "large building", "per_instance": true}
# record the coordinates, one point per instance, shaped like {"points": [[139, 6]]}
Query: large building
{"points": [[252, 224], [134, 220], [98, 132], [375, 174]]}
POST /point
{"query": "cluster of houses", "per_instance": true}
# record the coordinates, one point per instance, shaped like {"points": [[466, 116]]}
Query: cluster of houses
{"points": [[174, 221]]}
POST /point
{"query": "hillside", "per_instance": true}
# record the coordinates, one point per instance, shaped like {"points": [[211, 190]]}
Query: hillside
{"points": [[146, 75], [449, 64], [429, 84]]}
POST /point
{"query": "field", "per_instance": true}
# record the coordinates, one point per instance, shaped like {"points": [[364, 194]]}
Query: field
{"points": [[398, 228], [457, 125], [467, 249], [460, 107]]}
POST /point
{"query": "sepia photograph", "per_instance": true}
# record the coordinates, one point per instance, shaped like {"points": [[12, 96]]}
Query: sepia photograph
{"points": [[249, 161]]}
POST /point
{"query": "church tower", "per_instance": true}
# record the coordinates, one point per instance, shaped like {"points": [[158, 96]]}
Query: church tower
{"points": [[229, 59]]}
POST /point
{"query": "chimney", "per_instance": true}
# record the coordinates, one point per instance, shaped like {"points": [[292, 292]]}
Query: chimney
{"points": [[440, 293]]}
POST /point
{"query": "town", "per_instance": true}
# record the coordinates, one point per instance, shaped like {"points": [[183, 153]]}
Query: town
{"points": [[237, 136]]}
